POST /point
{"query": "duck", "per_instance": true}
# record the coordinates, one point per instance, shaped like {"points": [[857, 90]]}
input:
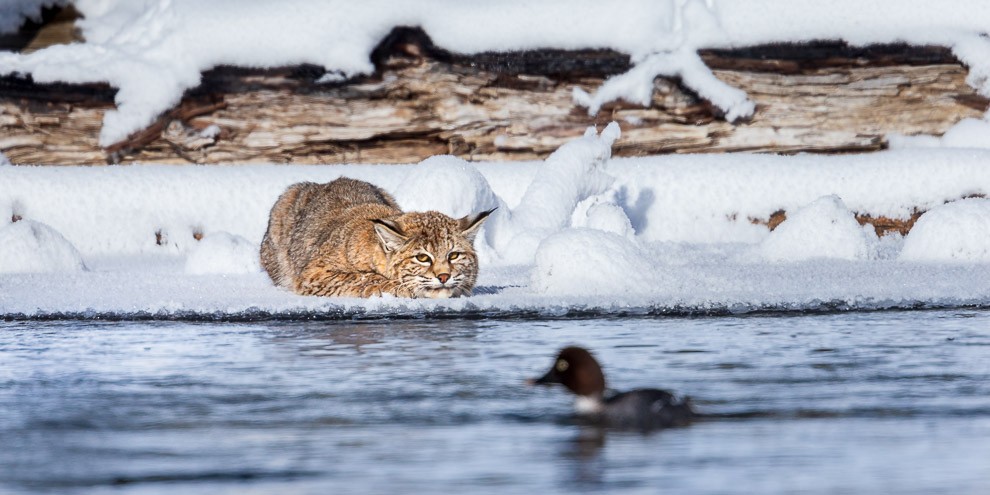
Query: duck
{"points": [[642, 409]]}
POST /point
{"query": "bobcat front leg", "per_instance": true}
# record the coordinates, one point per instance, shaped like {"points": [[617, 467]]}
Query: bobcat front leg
{"points": [[348, 284]]}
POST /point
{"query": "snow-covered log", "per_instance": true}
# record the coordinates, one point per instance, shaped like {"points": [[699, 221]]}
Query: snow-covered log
{"points": [[423, 100]]}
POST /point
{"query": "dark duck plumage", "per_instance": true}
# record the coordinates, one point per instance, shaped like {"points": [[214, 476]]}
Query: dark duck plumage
{"points": [[647, 409]]}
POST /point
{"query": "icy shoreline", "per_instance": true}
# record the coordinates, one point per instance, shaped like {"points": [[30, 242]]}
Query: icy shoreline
{"points": [[577, 234], [485, 307]]}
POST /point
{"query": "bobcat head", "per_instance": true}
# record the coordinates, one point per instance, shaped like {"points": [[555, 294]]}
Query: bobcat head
{"points": [[431, 254]]}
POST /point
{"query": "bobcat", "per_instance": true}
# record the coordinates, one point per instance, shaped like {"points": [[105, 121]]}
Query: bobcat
{"points": [[349, 238]]}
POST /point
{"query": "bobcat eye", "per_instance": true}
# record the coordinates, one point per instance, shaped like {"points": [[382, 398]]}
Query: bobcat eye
{"points": [[453, 256], [423, 258]]}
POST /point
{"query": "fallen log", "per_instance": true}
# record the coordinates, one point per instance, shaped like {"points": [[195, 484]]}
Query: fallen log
{"points": [[826, 97]]}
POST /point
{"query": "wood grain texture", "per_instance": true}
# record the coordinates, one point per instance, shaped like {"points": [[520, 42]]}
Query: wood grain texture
{"points": [[422, 101]]}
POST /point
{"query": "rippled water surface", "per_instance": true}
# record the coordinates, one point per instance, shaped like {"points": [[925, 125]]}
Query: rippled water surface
{"points": [[844, 403]]}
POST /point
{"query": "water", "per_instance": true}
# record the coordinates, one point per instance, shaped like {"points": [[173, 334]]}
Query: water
{"points": [[845, 403]]}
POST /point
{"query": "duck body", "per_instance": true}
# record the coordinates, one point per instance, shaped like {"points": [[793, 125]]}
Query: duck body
{"points": [[646, 409], [643, 409]]}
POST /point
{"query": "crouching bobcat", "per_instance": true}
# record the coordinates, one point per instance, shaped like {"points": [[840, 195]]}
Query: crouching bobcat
{"points": [[349, 238]]}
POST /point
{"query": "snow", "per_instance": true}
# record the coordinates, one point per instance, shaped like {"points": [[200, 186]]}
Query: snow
{"points": [[956, 232], [967, 133], [576, 233], [600, 213], [33, 247], [570, 175], [636, 85], [154, 50], [589, 262], [710, 198], [446, 184], [221, 252], [823, 229]]}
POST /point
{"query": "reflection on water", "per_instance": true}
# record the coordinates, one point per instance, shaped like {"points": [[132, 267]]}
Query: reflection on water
{"points": [[845, 403]]}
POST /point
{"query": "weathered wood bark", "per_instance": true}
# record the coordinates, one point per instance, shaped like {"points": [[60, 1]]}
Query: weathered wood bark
{"points": [[423, 101]]}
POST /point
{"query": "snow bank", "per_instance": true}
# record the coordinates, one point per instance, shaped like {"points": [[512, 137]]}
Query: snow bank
{"points": [[698, 199], [715, 198], [221, 252], [577, 232], [823, 229], [958, 231], [155, 50], [158, 209], [33, 247]]}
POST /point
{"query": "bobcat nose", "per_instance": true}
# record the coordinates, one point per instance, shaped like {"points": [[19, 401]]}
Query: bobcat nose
{"points": [[443, 277]]}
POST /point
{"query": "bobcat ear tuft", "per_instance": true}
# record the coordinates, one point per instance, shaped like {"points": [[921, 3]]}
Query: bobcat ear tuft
{"points": [[472, 223], [389, 234]]}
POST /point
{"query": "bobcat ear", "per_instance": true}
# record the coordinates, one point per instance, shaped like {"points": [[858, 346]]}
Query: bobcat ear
{"points": [[471, 223], [389, 234]]}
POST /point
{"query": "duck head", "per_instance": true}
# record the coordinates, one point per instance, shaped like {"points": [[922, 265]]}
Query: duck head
{"points": [[576, 369]]}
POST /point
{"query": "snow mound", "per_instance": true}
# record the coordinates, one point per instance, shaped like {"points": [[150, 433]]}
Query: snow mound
{"points": [[33, 247], [220, 252], [957, 231], [446, 184], [822, 229], [603, 214], [570, 175], [586, 262]]}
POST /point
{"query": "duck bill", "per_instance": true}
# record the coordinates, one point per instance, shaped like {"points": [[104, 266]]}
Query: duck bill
{"points": [[548, 379]]}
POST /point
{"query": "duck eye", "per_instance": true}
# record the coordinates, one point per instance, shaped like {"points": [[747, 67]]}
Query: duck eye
{"points": [[453, 256], [562, 365], [423, 258]]}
